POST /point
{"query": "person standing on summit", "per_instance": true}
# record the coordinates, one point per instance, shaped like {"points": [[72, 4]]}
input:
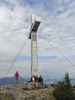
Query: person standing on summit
{"points": [[17, 76]]}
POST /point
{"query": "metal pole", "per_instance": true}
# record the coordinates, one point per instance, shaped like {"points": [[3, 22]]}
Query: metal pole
{"points": [[31, 47]]}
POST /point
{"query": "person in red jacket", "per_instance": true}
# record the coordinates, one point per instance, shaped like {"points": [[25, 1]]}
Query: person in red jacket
{"points": [[17, 76]]}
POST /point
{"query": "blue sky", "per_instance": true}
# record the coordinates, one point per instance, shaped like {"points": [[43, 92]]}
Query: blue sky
{"points": [[56, 34]]}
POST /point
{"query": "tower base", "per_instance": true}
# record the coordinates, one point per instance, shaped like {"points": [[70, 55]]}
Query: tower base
{"points": [[37, 82]]}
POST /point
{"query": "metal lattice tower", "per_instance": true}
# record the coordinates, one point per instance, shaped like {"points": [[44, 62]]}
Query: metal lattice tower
{"points": [[34, 56]]}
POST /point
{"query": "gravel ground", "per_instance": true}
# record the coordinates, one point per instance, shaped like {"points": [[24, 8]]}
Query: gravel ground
{"points": [[19, 93]]}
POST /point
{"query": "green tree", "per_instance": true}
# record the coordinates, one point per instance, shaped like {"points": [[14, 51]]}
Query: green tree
{"points": [[63, 90], [67, 80]]}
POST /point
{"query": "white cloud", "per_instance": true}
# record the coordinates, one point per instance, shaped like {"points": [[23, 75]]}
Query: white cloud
{"points": [[56, 30]]}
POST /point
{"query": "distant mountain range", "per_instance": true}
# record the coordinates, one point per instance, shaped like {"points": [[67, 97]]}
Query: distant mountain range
{"points": [[11, 80]]}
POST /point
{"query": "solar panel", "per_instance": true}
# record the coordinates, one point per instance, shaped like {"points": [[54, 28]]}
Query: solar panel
{"points": [[34, 28]]}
